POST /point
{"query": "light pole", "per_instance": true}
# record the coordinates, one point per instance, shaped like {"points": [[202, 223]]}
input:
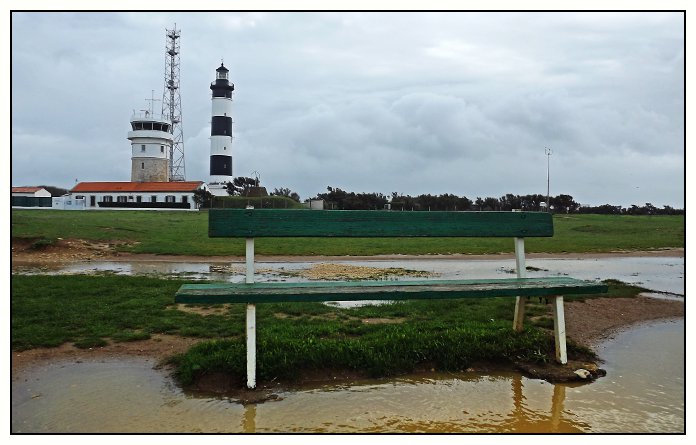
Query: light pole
{"points": [[547, 152]]}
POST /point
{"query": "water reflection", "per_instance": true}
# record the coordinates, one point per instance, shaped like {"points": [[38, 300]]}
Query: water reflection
{"points": [[130, 396], [249, 418]]}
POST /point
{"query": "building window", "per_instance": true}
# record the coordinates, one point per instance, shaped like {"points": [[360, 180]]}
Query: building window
{"points": [[170, 198], [224, 148], [107, 199], [138, 199], [184, 199], [161, 148], [142, 148], [153, 198], [122, 199], [142, 166]]}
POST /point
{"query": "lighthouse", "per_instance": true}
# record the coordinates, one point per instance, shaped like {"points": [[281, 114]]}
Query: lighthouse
{"points": [[151, 140], [221, 132]]}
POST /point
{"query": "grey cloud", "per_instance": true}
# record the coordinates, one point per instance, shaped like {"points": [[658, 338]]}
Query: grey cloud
{"points": [[410, 102]]}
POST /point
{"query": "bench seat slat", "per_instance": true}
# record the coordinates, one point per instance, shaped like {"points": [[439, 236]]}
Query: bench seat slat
{"points": [[211, 293]]}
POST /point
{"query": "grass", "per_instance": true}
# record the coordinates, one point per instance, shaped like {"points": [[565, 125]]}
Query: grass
{"points": [[186, 233], [48, 311], [90, 311]]}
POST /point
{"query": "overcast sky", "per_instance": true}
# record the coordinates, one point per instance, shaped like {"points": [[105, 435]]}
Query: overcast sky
{"points": [[461, 103]]}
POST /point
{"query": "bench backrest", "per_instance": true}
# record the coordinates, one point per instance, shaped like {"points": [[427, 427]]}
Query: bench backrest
{"points": [[251, 223]]}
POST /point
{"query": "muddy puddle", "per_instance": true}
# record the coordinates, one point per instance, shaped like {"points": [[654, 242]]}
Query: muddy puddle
{"points": [[642, 392], [663, 275], [129, 395]]}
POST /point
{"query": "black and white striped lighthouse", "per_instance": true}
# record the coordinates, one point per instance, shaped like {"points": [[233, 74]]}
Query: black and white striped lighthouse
{"points": [[221, 132]]}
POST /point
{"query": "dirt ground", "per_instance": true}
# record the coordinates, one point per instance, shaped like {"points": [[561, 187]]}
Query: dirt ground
{"points": [[588, 323]]}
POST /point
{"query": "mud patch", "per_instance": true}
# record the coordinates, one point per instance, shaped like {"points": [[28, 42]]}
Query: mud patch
{"points": [[557, 373], [330, 271], [205, 311], [159, 347], [383, 320], [59, 250], [593, 320]]}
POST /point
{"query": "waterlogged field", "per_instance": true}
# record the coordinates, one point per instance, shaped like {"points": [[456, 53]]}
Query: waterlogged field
{"points": [[129, 396], [186, 233], [376, 340]]}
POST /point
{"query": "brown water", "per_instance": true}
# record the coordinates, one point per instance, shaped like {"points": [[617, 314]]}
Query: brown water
{"points": [[643, 392]]}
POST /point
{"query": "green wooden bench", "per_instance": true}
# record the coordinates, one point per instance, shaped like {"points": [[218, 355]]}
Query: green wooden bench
{"points": [[253, 223]]}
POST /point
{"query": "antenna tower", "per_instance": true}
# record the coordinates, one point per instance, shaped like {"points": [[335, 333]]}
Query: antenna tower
{"points": [[171, 105]]}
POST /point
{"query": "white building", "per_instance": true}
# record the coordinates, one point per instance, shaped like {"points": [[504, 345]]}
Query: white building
{"points": [[68, 203], [32, 192], [30, 197], [138, 195]]}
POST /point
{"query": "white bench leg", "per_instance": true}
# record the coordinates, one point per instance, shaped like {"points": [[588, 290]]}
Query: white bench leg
{"points": [[559, 331], [518, 321], [251, 345], [250, 319], [520, 265]]}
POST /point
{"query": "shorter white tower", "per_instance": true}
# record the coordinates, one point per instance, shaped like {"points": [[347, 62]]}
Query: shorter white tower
{"points": [[221, 133], [151, 140]]}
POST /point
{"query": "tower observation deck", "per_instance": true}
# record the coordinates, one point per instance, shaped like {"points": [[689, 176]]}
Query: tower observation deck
{"points": [[151, 141]]}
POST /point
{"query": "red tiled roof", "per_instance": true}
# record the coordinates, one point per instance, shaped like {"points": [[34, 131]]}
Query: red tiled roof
{"points": [[188, 186], [26, 189]]}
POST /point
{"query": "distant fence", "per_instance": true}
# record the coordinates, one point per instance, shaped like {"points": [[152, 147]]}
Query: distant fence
{"points": [[266, 202], [31, 201]]}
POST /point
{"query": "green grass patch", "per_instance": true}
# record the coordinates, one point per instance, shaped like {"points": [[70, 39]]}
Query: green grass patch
{"points": [[187, 234], [90, 342], [128, 335], [41, 244], [51, 310], [90, 311]]}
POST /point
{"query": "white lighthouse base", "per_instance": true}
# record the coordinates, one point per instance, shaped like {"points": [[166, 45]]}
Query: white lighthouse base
{"points": [[218, 189]]}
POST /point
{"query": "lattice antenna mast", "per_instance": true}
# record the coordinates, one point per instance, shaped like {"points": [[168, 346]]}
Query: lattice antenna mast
{"points": [[171, 105]]}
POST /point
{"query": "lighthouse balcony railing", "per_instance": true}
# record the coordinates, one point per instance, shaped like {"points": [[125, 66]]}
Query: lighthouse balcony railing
{"points": [[150, 117], [149, 134]]}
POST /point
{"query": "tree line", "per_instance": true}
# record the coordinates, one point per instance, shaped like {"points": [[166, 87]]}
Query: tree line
{"points": [[337, 199]]}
